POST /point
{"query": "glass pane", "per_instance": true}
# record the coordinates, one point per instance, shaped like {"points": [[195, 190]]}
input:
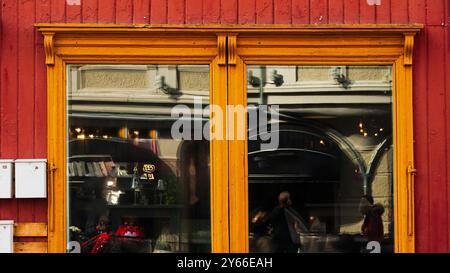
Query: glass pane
{"points": [[320, 158], [138, 181]]}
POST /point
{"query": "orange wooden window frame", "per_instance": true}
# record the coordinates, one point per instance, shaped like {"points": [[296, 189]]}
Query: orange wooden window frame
{"points": [[228, 49]]}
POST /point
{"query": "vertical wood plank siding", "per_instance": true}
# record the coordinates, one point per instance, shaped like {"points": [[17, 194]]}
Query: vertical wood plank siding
{"points": [[23, 77]]}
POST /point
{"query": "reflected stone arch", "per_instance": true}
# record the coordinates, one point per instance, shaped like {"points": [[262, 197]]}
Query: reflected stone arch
{"points": [[291, 124], [319, 130]]}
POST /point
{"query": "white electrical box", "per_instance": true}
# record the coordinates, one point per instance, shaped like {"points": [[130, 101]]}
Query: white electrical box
{"points": [[31, 178], [6, 236], [6, 178]]}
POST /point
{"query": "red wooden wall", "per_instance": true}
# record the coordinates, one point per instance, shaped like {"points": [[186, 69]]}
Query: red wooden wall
{"points": [[22, 81]]}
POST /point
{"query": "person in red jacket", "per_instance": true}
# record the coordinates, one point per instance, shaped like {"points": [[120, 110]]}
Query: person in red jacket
{"points": [[372, 226]]}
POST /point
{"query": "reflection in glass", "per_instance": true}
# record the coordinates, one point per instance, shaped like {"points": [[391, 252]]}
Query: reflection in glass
{"points": [[328, 186], [131, 186]]}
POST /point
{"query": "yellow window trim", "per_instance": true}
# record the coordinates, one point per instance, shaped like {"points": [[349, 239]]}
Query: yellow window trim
{"points": [[241, 44]]}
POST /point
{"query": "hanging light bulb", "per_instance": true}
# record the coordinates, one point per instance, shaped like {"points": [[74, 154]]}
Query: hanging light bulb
{"points": [[110, 183]]}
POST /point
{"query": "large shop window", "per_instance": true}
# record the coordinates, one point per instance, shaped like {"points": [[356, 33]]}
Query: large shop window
{"points": [[234, 139], [326, 185], [132, 187]]}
